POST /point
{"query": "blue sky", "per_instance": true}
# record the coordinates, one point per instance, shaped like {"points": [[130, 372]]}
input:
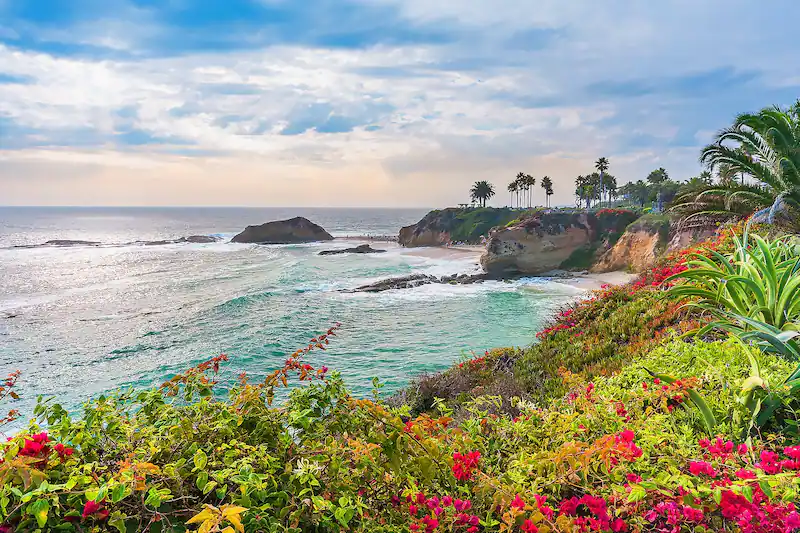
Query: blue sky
{"points": [[369, 102]]}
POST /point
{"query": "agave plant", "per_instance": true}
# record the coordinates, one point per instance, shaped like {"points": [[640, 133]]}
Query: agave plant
{"points": [[754, 295], [760, 282]]}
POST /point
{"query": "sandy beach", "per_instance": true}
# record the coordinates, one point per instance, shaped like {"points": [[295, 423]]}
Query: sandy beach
{"points": [[580, 280], [448, 252], [592, 282]]}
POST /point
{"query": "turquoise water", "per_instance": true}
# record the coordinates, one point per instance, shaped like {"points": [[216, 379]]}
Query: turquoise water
{"points": [[82, 320]]}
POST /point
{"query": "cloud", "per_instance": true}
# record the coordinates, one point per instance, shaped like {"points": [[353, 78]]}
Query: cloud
{"points": [[396, 91]]}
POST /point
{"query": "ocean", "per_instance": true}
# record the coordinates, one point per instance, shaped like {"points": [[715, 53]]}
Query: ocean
{"points": [[82, 320]]}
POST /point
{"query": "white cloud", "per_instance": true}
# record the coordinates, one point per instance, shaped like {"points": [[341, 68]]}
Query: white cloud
{"points": [[416, 110]]}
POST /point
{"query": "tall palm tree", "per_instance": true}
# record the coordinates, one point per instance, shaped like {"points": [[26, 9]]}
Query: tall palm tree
{"points": [[547, 184], [482, 191], [513, 187], [602, 165], [584, 190], [530, 181], [763, 146], [520, 179]]}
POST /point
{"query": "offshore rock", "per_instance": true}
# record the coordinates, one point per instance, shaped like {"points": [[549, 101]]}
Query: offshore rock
{"points": [[294, 230], [360, 249]]}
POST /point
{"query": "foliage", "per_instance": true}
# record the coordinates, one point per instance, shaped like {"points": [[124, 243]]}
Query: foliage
{"points": [[481, 191], [760, 280], [470, 225], [754, 294], [764, 147]]}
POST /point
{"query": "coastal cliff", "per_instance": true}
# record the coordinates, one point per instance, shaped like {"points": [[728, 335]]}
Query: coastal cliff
{"points": [[466, 225], [647, 239], [553, 240]]}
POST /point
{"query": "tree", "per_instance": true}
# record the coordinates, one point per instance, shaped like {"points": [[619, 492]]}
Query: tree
{"points": [[513, 188], [482, 191], [581, 184], [762, 146], [602, 165], [547, 184], [530, 181], [520, 180], [657, 176]]}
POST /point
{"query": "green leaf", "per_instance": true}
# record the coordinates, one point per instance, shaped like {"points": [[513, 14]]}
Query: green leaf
{"points": [[209, 487], [117, 521], [766, 489], [637, 493], [747, 492], [39, 510], [119, 493], [200, 459], [202, 480]]}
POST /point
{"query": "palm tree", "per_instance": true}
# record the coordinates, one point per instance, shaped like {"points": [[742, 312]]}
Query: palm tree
{"points": [[658, 176], [530, 181], [520, 180], [764, 146], [602, 165], [513, 188], [585, 190], [547, 184], [482, 191]]}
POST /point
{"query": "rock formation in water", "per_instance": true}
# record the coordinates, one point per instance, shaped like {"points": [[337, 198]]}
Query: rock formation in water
{"points": [[67, 242], [196, 239], [360, 249], [294, 230], [416, 280]]}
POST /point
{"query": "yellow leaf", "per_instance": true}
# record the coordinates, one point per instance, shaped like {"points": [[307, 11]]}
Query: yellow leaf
{"points": [[229, 510], [237, 523], [228, 529], [202, 516]]}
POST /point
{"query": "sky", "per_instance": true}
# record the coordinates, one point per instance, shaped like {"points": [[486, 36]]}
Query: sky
{"points": [[396, 103]]}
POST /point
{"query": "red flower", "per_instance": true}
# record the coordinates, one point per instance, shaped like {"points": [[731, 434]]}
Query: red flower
{"points": [[63, 451], [529, 527], [464, 464], [701, 467], [518, 503], [94, 509]]}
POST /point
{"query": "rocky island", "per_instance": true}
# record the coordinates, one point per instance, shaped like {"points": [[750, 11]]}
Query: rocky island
{"points": [[292, 231]]}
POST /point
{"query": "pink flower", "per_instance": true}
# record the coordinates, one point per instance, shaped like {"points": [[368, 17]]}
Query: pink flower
{"points": [[94, 509], [529, 527], [627, 435], [518, 503], [633, 478], [464, 464], [701, 467]]}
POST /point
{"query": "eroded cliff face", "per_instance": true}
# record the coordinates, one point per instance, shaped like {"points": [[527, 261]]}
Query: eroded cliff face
{"points": [[537, 244], [415, 235], [645, 241], [635, 251]]}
